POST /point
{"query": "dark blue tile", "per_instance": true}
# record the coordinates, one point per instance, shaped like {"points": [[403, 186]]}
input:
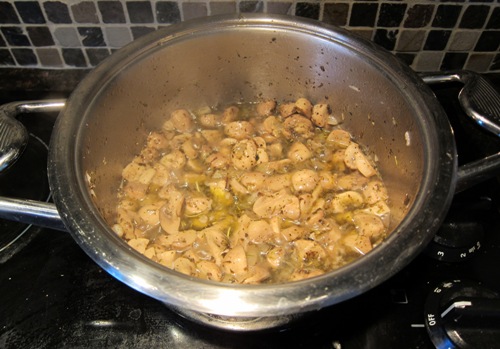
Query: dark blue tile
{"points": [[8, 14], [437, 40], [418, 16], [454, 60], [446, 16], [307, 10], [15, 36], [391, 15], [30, 12], [40, 36], [489, 41], [74, 57], [494, 21], [336, 14], [57, 12], [97, 55], [167, 12], [91, 36], [111, 11], [474, 16], [25, 56], [140, 11], [363, 15], [6, 58]]}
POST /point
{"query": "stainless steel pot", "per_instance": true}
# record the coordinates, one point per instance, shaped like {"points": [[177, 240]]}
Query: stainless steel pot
{"points": [[213, 60]]}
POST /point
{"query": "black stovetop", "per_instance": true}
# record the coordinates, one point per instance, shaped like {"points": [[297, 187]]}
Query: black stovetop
{"points": [[54, 296]]}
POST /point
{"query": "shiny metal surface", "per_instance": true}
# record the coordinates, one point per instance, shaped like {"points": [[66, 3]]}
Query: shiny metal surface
{"points": [[13, 138], [225, 59], [20, 210], [13, 135], [479, 99], [42, 214], [481, 102]]}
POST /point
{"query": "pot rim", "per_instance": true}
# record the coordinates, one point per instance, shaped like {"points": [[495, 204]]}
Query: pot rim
{"points": [[95, 237]]}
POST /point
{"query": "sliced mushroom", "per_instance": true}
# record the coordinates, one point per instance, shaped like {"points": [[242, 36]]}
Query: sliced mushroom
{"points": [[157, 140], [179, 241], [281, 203], [305, 180], [276, 256], [180, 120], [150, 213], [252, 180], [304, 107], [197, 203], [209, 120], [346, 201], [356, 160], [208, 270], [277, 182], [369, 225], [217, 243], [244, 155], [260, 231], [174, 160], [297, 126], [265, 108], [287, 109], [235, 262], [375, 191], [230, 114], [167, 258], [294, 232], [170, 212], [239, 130], [339, 138], [299, 152], [309, 252], [257, 274], [185, 266], [358, 243], [320, 114], [139, 244]]}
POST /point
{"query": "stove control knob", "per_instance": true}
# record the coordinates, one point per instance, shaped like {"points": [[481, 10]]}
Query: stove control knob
{"points": [[456, 240], [463, 314]]}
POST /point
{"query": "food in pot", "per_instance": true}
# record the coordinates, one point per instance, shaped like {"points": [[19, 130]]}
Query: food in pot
{"points": [[252, 193]]}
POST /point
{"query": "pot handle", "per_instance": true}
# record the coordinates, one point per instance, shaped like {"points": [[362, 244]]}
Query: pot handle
{"points": [[480, 102], [42, 214], [38, 213]]}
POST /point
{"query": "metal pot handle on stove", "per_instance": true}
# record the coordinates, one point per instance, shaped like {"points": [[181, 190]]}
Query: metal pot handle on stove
{"points": [[478, 98], [480, 102], [13, 140]]}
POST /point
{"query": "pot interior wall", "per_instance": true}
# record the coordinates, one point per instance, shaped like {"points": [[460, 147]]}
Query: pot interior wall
{"points": [[218, 67]]}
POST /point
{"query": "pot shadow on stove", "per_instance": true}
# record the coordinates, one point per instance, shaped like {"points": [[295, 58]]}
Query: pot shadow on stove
{"points": [[345, 325]]}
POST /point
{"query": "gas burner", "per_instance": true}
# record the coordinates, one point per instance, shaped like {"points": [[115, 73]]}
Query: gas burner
{"points": [[26, 179]]}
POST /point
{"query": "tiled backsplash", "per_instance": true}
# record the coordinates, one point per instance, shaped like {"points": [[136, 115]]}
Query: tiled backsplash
{"points": [[428, 35]]}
